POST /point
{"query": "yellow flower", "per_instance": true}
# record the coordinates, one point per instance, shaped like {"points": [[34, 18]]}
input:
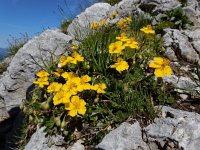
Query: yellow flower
{"points": [[116, 47], [148, 30], [41, 82], [61, 97], [85, 79], [54, 87], [94, 26], [75, 47], [58, 72], [129, 19], [77, 57], [72, 85], [42, 73], [123, 37], [131, 43], [68, 75], [123, 24], [85, 86], [161, 66], [76, 106], [120, 65], [100, 87], [64, 60], [102, 22]]}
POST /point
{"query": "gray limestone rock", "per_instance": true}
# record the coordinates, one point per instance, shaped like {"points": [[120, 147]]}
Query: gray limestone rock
{"points": [[184, 46], [39, 141], [21, 72], [159, 6], [77, 146], [192, 11], [80, 26], [125, 137], [177, 125], [184, 43], [182, 83], [129, 7]]}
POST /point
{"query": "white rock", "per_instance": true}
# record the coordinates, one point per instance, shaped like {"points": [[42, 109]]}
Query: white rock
{"points": [[183, 83], [125, 137], [80, 26], [192, 11], [182, 43], [39, 141], [177, 125], [160, 5], [77, 146]]}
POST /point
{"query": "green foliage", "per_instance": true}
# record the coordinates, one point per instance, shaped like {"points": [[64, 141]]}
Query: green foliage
{"points": [[164, 25], [16, 43], [173, 19], [3, 67], [140, 21], [64, 25], [130, 92]]}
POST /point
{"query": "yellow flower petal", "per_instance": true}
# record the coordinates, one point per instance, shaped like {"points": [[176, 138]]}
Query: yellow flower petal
{"points": [[121, 65], [158, 60], [54, 87], [72, 113], [168, 70], [154, 65], [42, 73], [82, 110], [159, 72], [116, 47]]}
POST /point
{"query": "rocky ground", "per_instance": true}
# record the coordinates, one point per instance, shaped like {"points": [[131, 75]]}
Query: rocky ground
{"points": [[175, 129]]}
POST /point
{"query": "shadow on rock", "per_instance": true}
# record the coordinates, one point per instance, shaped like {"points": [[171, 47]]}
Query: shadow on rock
{"points": [[9, 129]]}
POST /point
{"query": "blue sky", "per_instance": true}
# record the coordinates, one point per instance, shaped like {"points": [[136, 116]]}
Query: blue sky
{"points": [[33, 16]]}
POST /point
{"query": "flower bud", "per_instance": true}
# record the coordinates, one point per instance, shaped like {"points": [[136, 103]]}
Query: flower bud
{"points": [[140, 56], [142, 65], [21, 106], [57, 121], [63, 124], [65, 133], [45, 106], [24, 109], [96, 100]]}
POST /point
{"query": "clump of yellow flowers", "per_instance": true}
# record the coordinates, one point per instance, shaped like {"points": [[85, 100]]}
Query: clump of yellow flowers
{"points": [[68, 93], [96, 25], [97, 81], [43, 78], [123, 42], [124, 23]]}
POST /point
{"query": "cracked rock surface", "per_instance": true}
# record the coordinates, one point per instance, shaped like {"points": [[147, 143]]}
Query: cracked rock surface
{"points": [[174, 130], [126, 136], [185, 44], [176, 125]]}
